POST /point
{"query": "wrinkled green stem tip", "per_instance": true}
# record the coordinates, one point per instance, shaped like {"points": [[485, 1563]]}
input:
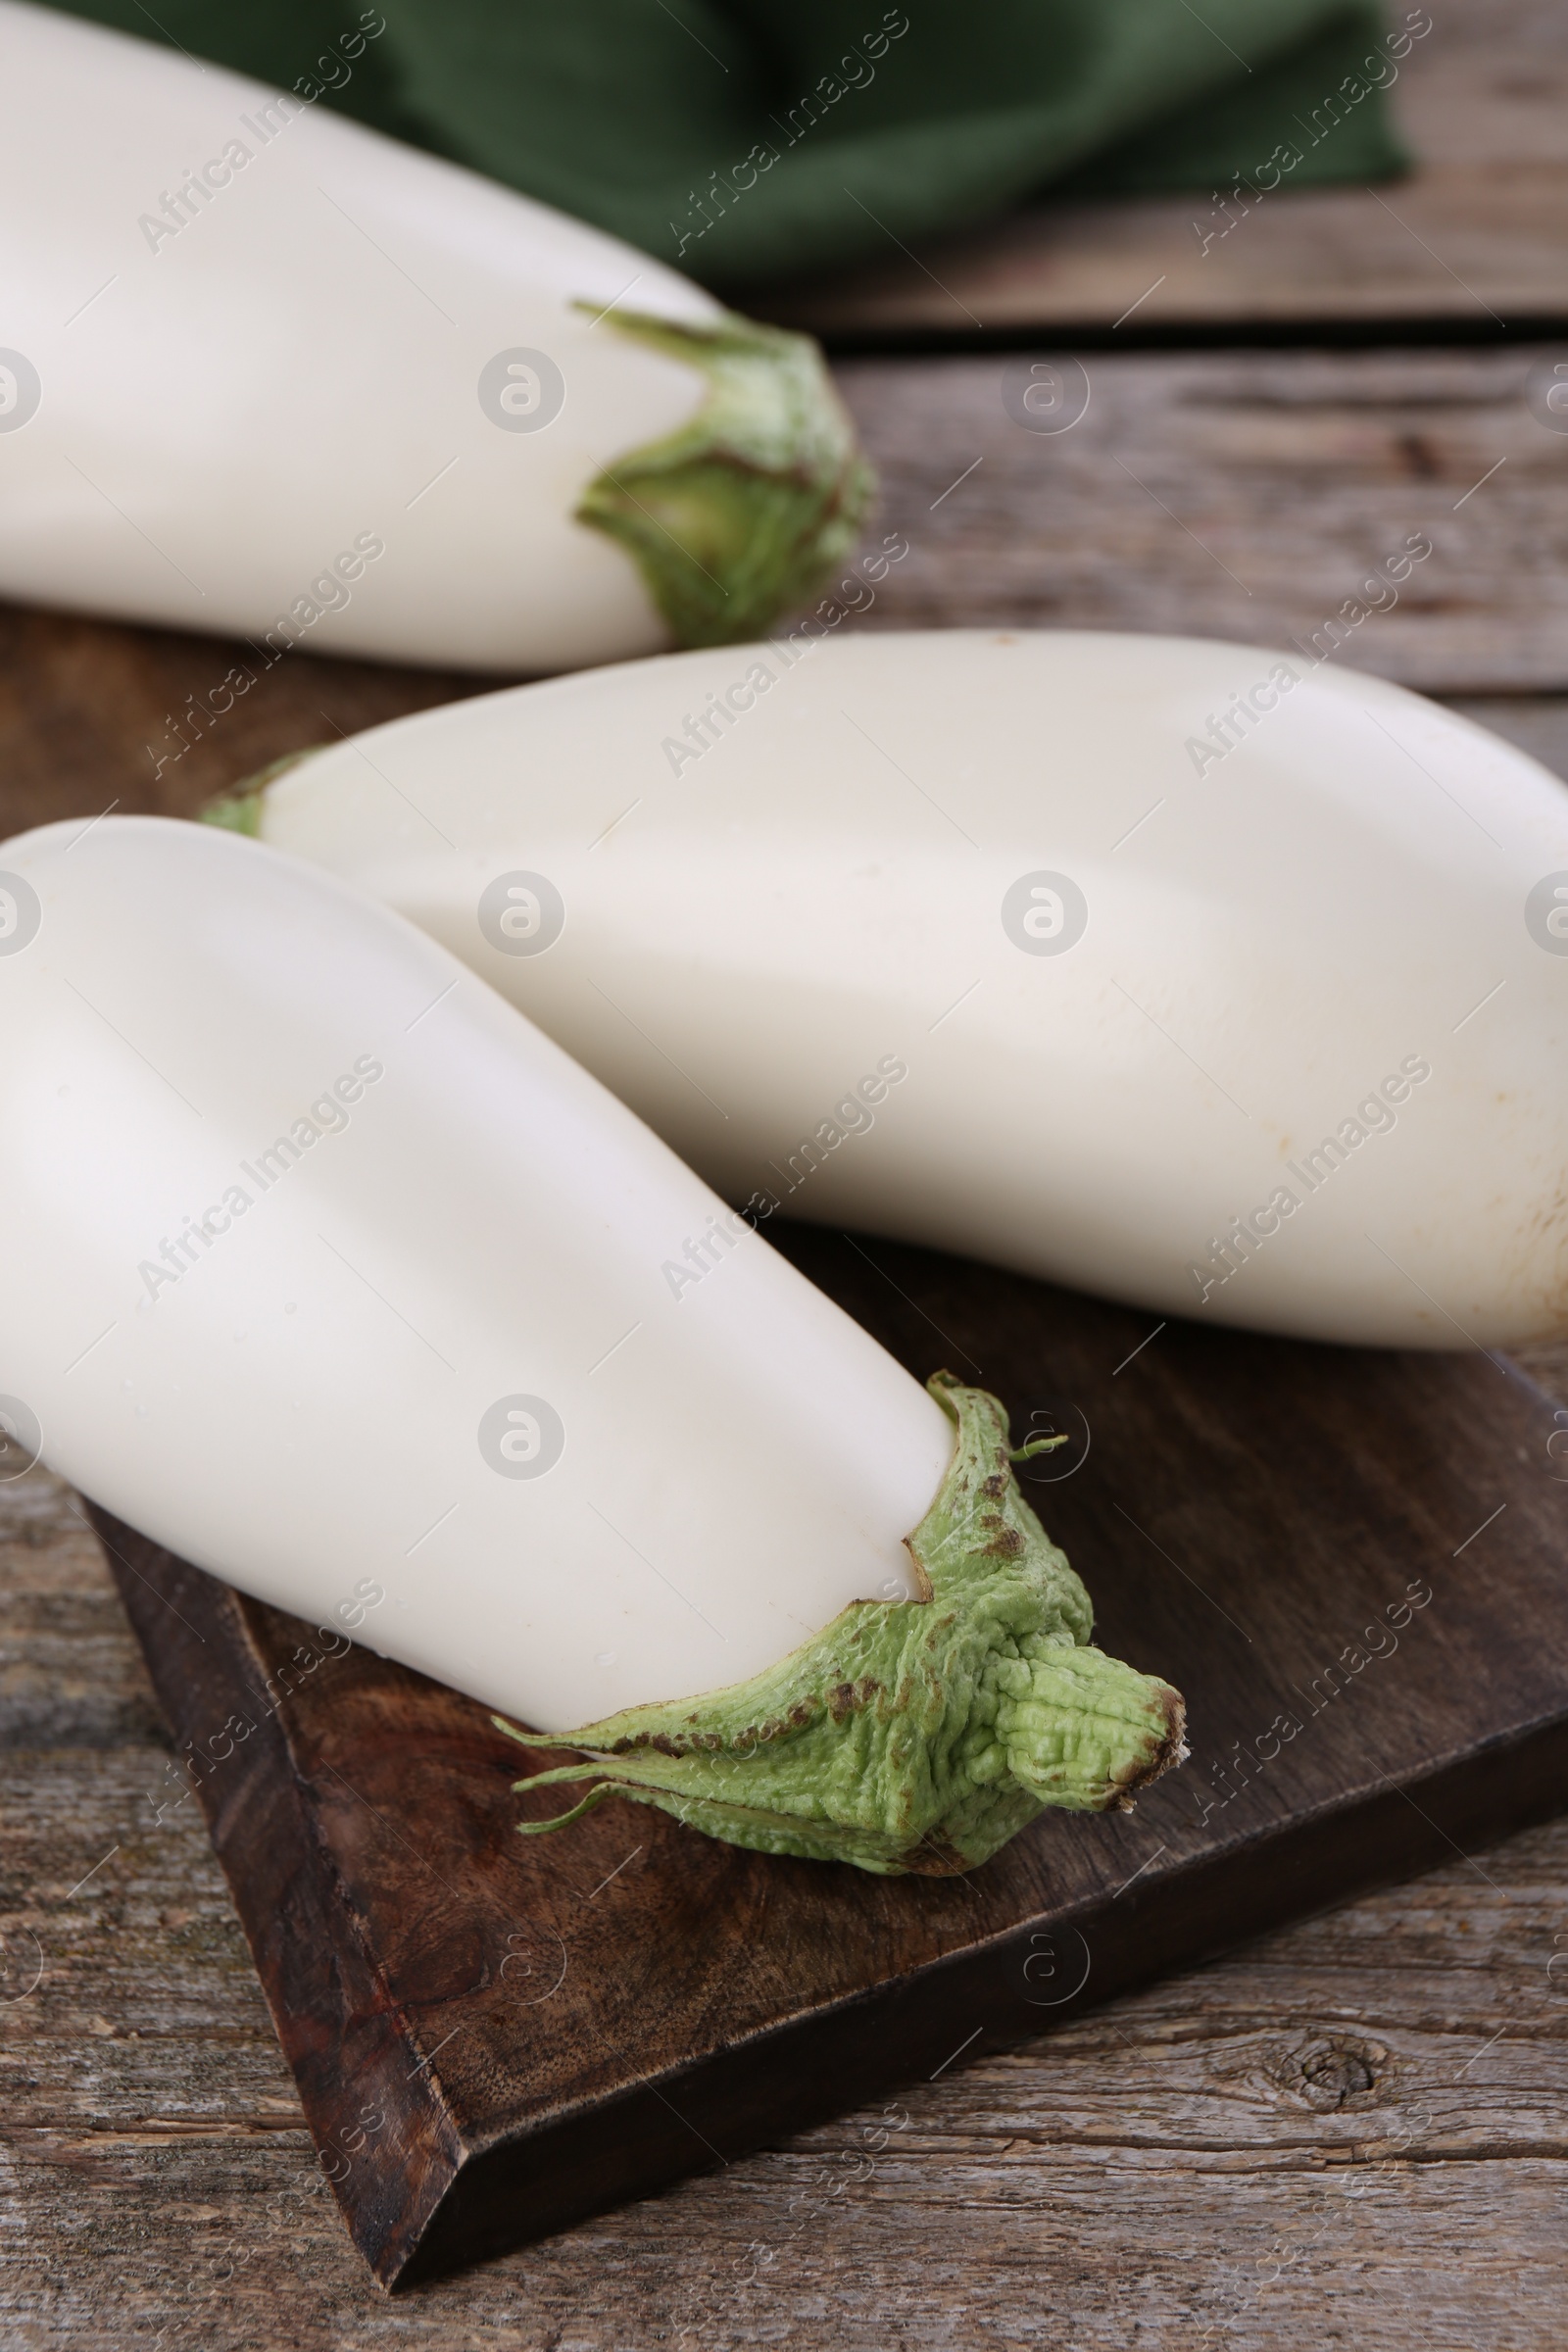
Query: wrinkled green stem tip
{"points": [[741, 514], [908, 1736]]}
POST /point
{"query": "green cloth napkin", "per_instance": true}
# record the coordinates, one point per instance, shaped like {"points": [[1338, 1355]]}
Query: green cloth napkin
{"points": [[746, 141]]}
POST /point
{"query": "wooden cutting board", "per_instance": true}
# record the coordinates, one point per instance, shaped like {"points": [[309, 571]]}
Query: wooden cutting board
{"points": [[1349, 1561]]}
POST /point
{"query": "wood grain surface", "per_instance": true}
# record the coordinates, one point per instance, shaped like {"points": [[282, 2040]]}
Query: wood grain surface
{"points": [[1237, 494], [1476, 233]]}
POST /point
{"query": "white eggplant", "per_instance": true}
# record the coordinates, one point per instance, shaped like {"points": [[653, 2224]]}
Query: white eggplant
{"points": [[329, 1272], [268, 372], [1179, 971]]}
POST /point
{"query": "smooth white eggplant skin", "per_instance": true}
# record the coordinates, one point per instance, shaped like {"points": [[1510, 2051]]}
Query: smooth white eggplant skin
{"points": [[250, 401], [302, 1409], [1302, 1071]]}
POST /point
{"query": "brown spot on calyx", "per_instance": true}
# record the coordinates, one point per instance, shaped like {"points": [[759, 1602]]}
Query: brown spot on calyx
{"points": [[777, 1727], [663, 1741], [1005, 1544], [1159, 1757], [995, 1486], [851, 1698]]}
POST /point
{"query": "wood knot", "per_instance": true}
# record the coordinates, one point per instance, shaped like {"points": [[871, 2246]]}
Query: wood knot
{"points": [[1332, 2071]]}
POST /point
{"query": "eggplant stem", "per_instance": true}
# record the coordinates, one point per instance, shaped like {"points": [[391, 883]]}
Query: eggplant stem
{"points": [[744, 512], [918, 1734], [528, 1738], [562, 1821]]}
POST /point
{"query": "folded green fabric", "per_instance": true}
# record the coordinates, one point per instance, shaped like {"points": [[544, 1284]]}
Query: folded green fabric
{"points": [[746, 140]]}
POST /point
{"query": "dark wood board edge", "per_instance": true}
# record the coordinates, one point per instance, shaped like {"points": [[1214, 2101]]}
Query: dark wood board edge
{"points": [[809, 2071], [290, 1892], [469, 2205]]}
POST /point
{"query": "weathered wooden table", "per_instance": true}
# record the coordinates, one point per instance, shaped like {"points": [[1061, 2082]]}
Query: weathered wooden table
{"points": [[1352, 2130]]}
